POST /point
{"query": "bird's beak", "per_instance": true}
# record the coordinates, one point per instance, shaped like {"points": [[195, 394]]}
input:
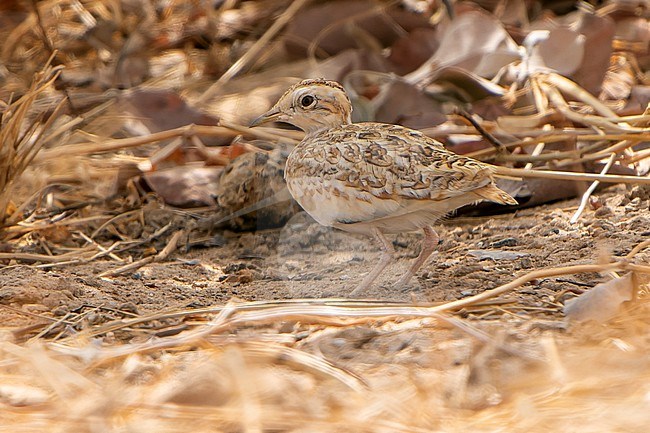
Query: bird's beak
{"points": [[269, 116]]}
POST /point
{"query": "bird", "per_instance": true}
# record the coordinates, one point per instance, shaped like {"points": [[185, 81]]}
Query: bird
{"points": [[374, 178]]}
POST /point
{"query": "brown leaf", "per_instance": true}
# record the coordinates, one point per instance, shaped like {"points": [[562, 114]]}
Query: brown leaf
{"points": [[639, 98], [334, 22], [476, 42], [160, 110], [337, 67], [602, 302], [410, 51], [563, 50], [382, 98], [599, 34], [464, 85], [564, 47], [185, 186]]}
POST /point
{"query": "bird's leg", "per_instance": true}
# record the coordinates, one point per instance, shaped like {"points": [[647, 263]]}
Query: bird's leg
{"points": [[429, 245], [386, 257]]}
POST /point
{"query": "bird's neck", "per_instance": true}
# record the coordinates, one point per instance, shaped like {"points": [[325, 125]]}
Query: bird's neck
{"points": [[318, 126]]}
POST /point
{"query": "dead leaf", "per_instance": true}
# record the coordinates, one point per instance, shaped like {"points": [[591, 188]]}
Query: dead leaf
{"points": [[593, 47], [640, 97], [412, 50], [185, 186], [160, 110], [464, 85], [599, 34], [336, 23], [475, 41], [602, 302], [385, 98], [339, 66], [562, 50]]}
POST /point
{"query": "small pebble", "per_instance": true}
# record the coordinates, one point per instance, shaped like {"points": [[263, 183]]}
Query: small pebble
{"points": [[496, 255], [603, 211], [507, 242], [61, 310], [595, 202], [128, 307], [641, 192], [633, 205]]}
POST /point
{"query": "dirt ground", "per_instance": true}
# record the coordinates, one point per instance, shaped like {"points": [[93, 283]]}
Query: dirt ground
{"points": [[102, 140], [510, 363], [306, 260]]}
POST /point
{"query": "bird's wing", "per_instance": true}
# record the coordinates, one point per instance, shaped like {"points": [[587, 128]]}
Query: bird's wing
{"points": [[388, 162]]}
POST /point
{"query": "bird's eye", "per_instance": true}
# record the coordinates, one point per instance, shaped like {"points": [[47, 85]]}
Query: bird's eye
{"points": [[307, 100]]}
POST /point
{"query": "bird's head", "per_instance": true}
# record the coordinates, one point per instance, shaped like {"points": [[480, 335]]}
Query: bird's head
{"points": [[311, 105]]}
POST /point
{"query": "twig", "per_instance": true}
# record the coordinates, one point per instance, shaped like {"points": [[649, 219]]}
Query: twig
{"points": [[638, 248], [309, 362], [569, 175], [518, 282], [590, 190], [556, 97], [126, 143], [29, 314], [540, 136], [263, 133], [103, 251], [226, 129], [162, 255], [569, 87], [25, 227], [161, 154], [32, 257], [207, 154], [61, 321], [500, 148], [638, 156], [112, 220]]}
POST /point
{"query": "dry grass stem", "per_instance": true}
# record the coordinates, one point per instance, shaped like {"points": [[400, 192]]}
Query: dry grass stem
{"points": [[254, 51], [112, 145], [569, 175], [585, 197], [171, 246], [22, 133]]}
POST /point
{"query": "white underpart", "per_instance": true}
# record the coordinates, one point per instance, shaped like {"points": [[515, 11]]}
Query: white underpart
{"points": [[333, 204]]}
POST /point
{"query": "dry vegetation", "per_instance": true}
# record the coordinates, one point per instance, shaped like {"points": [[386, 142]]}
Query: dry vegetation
{"points": [[155, 276]]}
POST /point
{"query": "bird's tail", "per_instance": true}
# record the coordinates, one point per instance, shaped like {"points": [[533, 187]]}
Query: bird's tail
{"points": [[493, 193]]}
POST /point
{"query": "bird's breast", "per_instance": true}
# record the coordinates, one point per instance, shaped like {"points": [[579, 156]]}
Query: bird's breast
{"points": [[332, 202]]}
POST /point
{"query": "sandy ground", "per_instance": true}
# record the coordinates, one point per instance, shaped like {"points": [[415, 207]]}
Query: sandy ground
{"points": [[510, 364], [306, 260]]}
